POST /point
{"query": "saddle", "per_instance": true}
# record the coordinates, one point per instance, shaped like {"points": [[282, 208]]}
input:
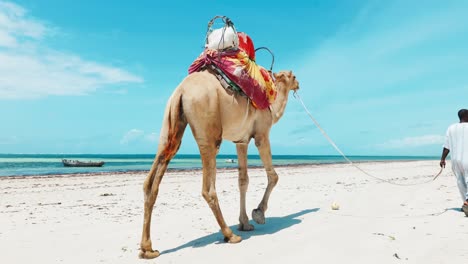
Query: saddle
{"points": [[234, 65]]}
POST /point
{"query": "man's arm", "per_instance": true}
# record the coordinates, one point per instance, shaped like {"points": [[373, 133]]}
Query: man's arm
{"points": [[445, 152]]}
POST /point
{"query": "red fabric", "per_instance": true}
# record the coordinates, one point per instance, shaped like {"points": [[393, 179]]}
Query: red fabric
{"points": [[246, 44], [253, 79]]}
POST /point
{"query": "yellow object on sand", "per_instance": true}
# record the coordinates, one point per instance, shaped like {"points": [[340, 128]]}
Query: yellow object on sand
{"points": [[335, 206]]}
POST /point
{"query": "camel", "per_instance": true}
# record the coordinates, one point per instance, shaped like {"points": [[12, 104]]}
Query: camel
{"points": [[213, 114]]}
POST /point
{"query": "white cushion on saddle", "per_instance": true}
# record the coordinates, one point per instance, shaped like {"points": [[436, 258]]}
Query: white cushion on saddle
{"points": [[222, 38]]}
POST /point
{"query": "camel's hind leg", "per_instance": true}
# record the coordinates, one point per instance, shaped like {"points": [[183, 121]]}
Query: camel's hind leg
{"points": [[166, 151], [263, 145], [243, 185]]}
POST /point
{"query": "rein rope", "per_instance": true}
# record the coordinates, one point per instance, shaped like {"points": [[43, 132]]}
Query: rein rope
{"points": [[296, 95]]}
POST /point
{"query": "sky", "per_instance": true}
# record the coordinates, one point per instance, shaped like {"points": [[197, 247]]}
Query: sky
{"points": [[381, 77]]}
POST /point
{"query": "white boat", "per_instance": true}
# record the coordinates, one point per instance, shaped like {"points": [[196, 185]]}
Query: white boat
{"points": [[230, 160], [77, 163]]}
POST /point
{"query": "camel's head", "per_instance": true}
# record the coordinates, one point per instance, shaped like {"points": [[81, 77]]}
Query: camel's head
{"points": [[288, 79]]}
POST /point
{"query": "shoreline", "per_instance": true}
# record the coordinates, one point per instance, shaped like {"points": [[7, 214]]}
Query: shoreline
{"points": [[169, 170]]}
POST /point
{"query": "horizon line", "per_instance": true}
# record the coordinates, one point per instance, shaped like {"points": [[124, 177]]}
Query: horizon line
{"points": [[233, 154]]}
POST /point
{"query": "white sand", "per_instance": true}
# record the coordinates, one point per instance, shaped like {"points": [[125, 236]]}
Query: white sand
{"points": [[72, 220]]}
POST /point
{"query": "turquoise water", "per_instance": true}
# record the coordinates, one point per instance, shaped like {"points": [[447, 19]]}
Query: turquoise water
{"points": [[47, 164]]}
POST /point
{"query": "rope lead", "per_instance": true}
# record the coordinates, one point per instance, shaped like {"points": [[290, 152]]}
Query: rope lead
{"points": [[296, 95]]}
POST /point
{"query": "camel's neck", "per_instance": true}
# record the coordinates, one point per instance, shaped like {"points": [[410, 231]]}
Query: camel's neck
{"points": [[279, 106]]}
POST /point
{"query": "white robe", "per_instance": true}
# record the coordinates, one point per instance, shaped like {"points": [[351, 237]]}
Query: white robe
{"points": [[457, 142]]}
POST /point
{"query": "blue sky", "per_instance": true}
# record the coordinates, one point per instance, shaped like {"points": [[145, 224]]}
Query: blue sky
{"points": [[381, 77]]}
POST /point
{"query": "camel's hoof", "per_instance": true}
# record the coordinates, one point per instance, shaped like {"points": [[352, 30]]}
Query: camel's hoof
{"points": [[233, 239], [149, 254], [258, 216], [245, 227]]}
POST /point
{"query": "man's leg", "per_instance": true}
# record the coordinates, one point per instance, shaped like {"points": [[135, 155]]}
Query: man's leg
{"points": [[462, 181], [459, 173]]}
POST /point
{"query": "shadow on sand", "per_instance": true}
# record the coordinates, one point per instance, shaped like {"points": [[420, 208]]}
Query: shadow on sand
{"points": [[456, 209], [272, 225]]}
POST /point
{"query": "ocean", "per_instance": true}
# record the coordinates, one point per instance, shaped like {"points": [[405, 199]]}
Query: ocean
{"points": [[50, 164]]}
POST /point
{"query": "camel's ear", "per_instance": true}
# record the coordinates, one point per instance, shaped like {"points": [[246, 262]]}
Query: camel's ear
{"points": [[279, 76]]}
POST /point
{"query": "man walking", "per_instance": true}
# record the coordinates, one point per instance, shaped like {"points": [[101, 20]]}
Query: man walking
{"points": [[456, 143]]}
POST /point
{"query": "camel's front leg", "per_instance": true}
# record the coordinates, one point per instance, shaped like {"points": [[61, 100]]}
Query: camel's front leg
{"points": [[263, 145], [208, 156], [243, 185]]}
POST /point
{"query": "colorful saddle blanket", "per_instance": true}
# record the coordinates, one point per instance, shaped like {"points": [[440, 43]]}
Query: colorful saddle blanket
{"points": [[240, 67]]}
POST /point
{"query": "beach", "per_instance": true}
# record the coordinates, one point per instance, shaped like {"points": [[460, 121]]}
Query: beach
{"points": [[88, 218]]}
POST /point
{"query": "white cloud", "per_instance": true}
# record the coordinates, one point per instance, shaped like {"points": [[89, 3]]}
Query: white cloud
{"points": [[425, 140], [131, 135], [7, 40], [14, 24], [30, 70], [152, 137], [134, 135]]}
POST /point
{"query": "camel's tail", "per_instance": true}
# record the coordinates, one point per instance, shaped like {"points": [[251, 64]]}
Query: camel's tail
{"points": [[173, 127], [170, 138]]}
